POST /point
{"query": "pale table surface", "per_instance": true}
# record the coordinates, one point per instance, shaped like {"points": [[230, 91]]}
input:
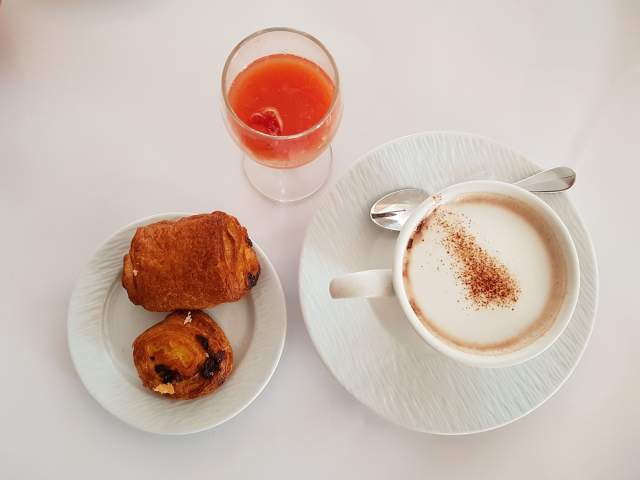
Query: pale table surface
{"points": [[109, 112]]}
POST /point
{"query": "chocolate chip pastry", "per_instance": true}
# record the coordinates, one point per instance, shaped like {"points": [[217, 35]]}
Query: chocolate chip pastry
{"points": [[187, 355], [192, 263]]}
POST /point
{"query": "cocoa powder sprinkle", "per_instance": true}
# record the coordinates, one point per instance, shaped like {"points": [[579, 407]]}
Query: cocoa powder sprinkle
{"points": [[487, 281]]}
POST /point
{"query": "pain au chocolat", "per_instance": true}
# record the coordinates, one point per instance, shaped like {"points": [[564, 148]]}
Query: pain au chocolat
{"points": [[192, 263], [187, 355]]}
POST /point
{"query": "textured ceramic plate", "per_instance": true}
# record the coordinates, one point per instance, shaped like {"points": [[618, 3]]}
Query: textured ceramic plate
{"points": [[103, 323], [369, 346]]}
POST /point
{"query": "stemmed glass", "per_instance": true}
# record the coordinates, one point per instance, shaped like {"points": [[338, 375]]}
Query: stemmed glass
{"points": [[287, 167]]}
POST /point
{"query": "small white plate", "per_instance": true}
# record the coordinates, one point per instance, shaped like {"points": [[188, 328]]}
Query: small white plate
{"points": [[103, 323], [371, 348]]}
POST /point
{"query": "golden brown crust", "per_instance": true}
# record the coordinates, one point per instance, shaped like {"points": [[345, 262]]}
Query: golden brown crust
{"points": [[187, 355], [192, 263]]}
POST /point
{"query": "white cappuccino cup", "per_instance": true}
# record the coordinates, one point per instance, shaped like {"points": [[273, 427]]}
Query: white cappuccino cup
{"points": [[485, 272]]}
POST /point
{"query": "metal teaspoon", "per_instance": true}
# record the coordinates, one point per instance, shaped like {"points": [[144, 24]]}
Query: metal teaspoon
{"points": [[392, 210]]}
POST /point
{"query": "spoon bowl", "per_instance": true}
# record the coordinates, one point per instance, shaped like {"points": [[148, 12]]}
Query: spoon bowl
{"points": [[393, 210]]}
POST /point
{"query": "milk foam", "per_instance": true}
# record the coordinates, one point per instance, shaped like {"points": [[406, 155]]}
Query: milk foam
{"points": [[518, 237]]}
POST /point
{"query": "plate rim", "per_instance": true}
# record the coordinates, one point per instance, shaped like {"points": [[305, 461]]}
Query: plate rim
{"points": [[76, 361], [324, 200]]}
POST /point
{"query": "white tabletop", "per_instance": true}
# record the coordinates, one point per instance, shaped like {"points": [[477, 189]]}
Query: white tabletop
{"points": [[109, 112]]}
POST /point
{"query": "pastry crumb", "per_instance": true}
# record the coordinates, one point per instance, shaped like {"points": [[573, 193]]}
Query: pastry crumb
{"points": [[135, 272], [165, 388], [188, 318]]}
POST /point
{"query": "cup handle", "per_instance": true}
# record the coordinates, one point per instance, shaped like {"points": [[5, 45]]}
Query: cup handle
{"points": [[365, 284]]}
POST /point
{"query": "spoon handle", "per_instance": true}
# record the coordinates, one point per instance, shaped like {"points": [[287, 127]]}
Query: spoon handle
{"points": [[555, 180]]}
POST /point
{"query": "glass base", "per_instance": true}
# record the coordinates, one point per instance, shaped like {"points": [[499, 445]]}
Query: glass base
{"points": [[289, 184]]}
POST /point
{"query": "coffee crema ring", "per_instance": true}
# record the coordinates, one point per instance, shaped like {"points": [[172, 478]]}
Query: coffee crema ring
{"points": [[187, 355], [485, 273]]}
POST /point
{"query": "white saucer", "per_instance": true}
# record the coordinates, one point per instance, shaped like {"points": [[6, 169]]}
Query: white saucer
{"points": [[368, 345], [103, 323]]}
